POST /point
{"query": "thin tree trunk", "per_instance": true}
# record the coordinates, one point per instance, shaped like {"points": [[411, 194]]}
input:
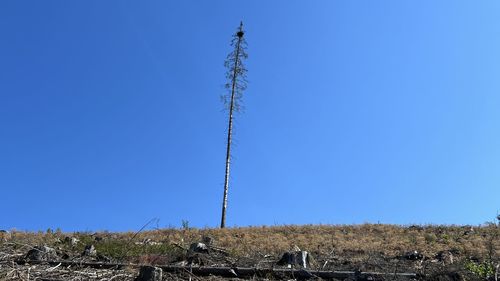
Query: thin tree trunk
{"points": [[229, 132]]}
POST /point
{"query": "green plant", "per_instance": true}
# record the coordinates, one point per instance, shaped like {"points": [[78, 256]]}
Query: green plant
{"points": [[413, 239], [430, 238], [185, 224], [481, 269]]}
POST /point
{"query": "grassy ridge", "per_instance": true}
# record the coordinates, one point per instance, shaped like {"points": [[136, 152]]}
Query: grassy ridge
{"points": [[480, 242]]}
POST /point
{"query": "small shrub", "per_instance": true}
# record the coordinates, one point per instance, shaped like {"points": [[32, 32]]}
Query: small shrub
{"points": [[185, 224], [430, 238], [481, 269]]}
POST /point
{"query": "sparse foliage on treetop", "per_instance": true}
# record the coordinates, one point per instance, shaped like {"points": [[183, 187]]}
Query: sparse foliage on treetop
{"points": [[235, 72]]}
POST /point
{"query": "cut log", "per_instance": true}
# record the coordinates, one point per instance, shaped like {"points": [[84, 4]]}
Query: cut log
{"points": [[249, 272], [242, 272]]}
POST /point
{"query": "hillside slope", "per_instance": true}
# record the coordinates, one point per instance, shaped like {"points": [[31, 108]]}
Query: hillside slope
{"points": [[433, 252]]}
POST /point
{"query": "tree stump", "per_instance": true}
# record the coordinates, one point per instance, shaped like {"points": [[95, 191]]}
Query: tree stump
{"points": [[41, 253], [302, 259], [149, 273]]}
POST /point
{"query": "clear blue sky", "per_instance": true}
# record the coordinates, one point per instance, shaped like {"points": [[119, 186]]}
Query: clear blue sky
{"points": [[356, 111]]}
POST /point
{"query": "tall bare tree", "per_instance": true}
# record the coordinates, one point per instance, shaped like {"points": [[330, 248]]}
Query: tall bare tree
{"points": [[236, 84]]}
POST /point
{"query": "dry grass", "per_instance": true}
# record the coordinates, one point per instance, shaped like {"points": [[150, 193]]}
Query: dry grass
{"points": [[480, 242], [390, 240]]}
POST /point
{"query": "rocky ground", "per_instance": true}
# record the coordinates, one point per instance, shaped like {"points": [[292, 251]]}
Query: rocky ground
{"points": [[361, 252]]}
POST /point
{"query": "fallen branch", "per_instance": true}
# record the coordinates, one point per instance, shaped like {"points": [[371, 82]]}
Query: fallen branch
{"points": [[242, 272], [180, 246], [53, 268], [116, 276], [219, 249], [497, 268], [297, 273]]}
